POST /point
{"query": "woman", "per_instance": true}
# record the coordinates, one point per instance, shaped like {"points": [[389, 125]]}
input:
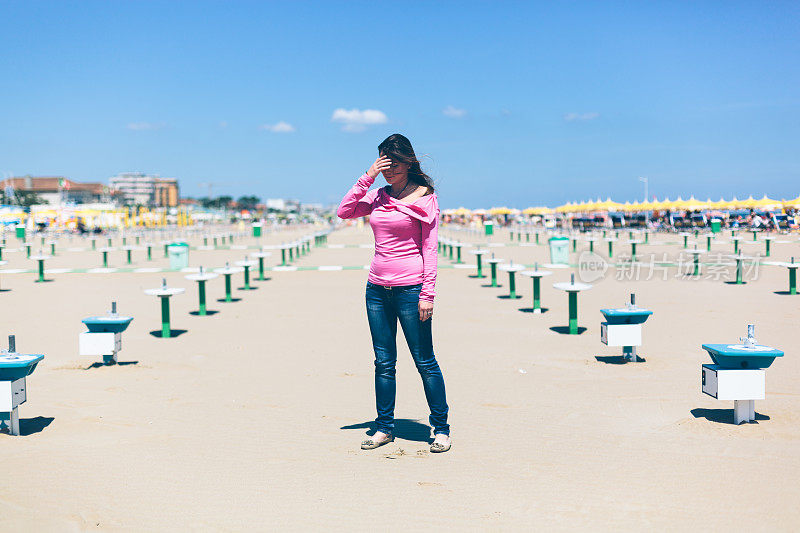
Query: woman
{"points": [[404, 217]]}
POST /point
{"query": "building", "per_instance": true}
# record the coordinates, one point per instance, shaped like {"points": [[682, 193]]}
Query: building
{"points": [[57, 190], [138, 188], [166, 194]]}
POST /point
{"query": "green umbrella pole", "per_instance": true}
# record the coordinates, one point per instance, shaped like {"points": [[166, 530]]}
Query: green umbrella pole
{"points": [[574, 244], [105, 259], [696, 265], [228, 297], [511, 235], [109, 242], [291, 254], [708, 243], [646, 237], [738, 271], [458, 255], [124, 241], [41, 270], [755, 236], [573, 313], [494, 274], [94, 244], [685, 241], [527, 237], [165, 329], [633, 250], [1, 253], [214, 240], [28, 251], [201, 289], [792, 281], [205, 241], [223, 239], [165, 250], [537, 304], [591, 246], [53, 248], [283, 256], [149, 253], [450, 252], [260, 269], [537, 237], [736, 247], [480, 266], [767, 241], [610, 249], [512, 286], [129, 256], [247, 278]]}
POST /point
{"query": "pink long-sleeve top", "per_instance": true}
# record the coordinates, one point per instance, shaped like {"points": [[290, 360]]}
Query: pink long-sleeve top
{"points": [[406, 235]]}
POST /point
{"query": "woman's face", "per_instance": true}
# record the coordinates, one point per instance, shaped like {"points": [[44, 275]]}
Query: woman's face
{"points": [[397, 173]]}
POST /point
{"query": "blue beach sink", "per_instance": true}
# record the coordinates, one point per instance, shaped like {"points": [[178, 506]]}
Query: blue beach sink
{"points": [[14, 366], [740, 356], [107, 324], [624, 315]]}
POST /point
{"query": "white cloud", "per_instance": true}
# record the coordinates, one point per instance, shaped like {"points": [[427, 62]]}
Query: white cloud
{"points": [[278, 127], [569, 117], [354, 120], [143, 126], [454, 112]]}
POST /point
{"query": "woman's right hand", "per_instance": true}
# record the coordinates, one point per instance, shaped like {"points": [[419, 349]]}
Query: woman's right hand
{"points": [[380, 164]]}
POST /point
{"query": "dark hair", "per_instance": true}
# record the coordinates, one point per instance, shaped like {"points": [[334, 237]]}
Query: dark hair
{"points": [[398, 148]]}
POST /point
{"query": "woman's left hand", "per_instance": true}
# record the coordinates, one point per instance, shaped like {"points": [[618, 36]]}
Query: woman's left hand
{"points": [[425, 310]]}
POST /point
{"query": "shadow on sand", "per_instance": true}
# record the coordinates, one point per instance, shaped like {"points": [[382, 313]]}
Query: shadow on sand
{"points": [[723, 416], [564, 330], [404, 428], [172, 333]]}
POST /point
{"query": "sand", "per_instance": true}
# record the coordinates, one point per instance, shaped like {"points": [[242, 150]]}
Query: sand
{"points": [[252, 418]]}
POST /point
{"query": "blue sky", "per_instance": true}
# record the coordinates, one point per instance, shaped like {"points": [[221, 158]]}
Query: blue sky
{"points": [[511, 103]]}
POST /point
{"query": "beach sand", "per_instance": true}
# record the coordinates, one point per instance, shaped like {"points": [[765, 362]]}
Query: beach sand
{"points": [[252, 418]]}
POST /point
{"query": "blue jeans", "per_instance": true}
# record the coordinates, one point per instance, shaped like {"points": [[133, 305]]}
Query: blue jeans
{"points": [[385, 305]]}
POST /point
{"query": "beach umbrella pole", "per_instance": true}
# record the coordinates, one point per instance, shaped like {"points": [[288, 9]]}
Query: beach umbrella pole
{"points": [[536, 295], [494, 274], [792, 281], [512, 285], [165, 327], [201, 289], [246, 278], [260, 269], [480, 266], [105, 259], [573, 313], [228, 297], [41, 270]]}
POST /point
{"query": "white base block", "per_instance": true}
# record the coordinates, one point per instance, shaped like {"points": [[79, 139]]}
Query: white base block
{"points": [[99, 343], [621, 334], [733, 383], [12, 394]]}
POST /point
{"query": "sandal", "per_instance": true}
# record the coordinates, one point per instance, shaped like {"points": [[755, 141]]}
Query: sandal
{"points": [[438, 447], [371, 444]]}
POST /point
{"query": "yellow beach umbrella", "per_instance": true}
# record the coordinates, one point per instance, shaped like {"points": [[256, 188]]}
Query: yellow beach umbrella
{"points": [[767, 203]]}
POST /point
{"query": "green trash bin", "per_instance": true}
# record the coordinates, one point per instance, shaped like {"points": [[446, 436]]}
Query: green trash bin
{"points": [[20, 232], [716, 225], [178, 253], [257, 229], [488, 227], [559, 250]]}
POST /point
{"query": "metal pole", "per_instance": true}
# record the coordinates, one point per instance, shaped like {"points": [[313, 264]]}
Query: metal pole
{"points": [[573, 313], [165, 329]]}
